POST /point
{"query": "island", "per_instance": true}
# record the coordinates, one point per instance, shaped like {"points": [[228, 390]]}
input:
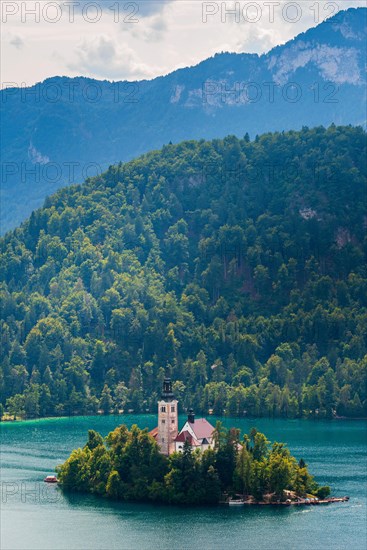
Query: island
{"points": [[198, 465], [128, 465]]}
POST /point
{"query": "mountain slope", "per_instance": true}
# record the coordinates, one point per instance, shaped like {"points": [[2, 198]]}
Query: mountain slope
{"points": [[239, 263], [63, 130]]}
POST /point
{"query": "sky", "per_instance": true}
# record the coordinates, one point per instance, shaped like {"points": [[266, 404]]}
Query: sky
{"points": [[123, 40]]}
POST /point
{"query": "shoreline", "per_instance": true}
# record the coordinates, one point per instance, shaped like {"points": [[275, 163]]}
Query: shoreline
{"points": [[7, 420], [239, 503]]}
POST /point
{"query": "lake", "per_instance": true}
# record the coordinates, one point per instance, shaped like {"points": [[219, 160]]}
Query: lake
{"points": [[38, 516]]}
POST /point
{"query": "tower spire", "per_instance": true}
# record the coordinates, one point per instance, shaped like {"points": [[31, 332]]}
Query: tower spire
{"points": [[191, 416], [167, 392]]}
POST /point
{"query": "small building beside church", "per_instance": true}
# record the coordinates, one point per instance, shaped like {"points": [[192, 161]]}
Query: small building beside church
{"points": [[198, 432]]}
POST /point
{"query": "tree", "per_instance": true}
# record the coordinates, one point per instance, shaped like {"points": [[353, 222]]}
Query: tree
{"points": [[121, 395], [94, 440], [225, 463], [32, 401], [106, 401], [282, 468], [113, 487], [323, 492], [16, 405], [242, 473], [212, 488], [181, 480], [260, 445]]}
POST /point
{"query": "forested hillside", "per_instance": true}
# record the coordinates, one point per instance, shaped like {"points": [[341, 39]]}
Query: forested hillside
{"points": [[238, 263], [52, 134]]}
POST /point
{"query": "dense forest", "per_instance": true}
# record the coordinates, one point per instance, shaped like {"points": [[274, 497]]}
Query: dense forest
{"points": [[127, 465], [238, 265]]}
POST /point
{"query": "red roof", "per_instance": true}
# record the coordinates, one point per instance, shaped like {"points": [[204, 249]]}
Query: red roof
{"points": [[202, 428], [154, 432], [181, 438], [186, 436]]}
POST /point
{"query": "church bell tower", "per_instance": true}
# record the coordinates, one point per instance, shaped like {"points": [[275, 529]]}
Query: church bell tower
{"points": [[167, 418]]}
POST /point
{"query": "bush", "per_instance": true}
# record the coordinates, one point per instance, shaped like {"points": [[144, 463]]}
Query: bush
{"points": [[323, 492]]}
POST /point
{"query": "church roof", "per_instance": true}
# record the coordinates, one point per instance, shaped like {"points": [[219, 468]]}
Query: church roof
{"points": [[186, 436], [201, 428], [181, 438], [154, 432]]}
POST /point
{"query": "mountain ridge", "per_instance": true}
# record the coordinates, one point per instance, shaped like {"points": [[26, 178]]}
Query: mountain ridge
{"points": [[228, 93], [352, 12]]}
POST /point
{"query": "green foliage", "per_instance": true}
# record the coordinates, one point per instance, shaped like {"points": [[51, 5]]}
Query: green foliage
{"points": [[240, 264], [127, 465], [282, 468], [323, 492], [94, 440]]}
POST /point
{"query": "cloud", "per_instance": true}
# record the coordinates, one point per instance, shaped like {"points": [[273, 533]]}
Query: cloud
{"points": [[17, 41], [103, 57], [256, 40], [146, 8], [152, 29], [123, 8], [170, 34]]}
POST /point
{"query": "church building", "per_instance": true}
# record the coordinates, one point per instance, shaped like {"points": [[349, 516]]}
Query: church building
{"points": [[198, 432]]}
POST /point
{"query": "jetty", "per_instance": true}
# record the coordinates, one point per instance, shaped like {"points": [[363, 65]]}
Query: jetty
{"points": [[317, 501], [295, 502]]}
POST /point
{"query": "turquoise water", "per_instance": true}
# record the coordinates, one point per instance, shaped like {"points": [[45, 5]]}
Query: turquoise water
{"points": [[38, 516]]}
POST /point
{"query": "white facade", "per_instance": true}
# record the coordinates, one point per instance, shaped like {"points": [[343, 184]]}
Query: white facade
{"points": [[198, 440]]}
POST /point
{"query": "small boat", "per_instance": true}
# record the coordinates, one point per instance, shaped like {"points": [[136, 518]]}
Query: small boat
{"points": [[50, 479], [236, 502]]}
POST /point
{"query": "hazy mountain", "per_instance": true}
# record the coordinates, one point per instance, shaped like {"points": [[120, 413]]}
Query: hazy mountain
{"points": [[63, 129]]}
